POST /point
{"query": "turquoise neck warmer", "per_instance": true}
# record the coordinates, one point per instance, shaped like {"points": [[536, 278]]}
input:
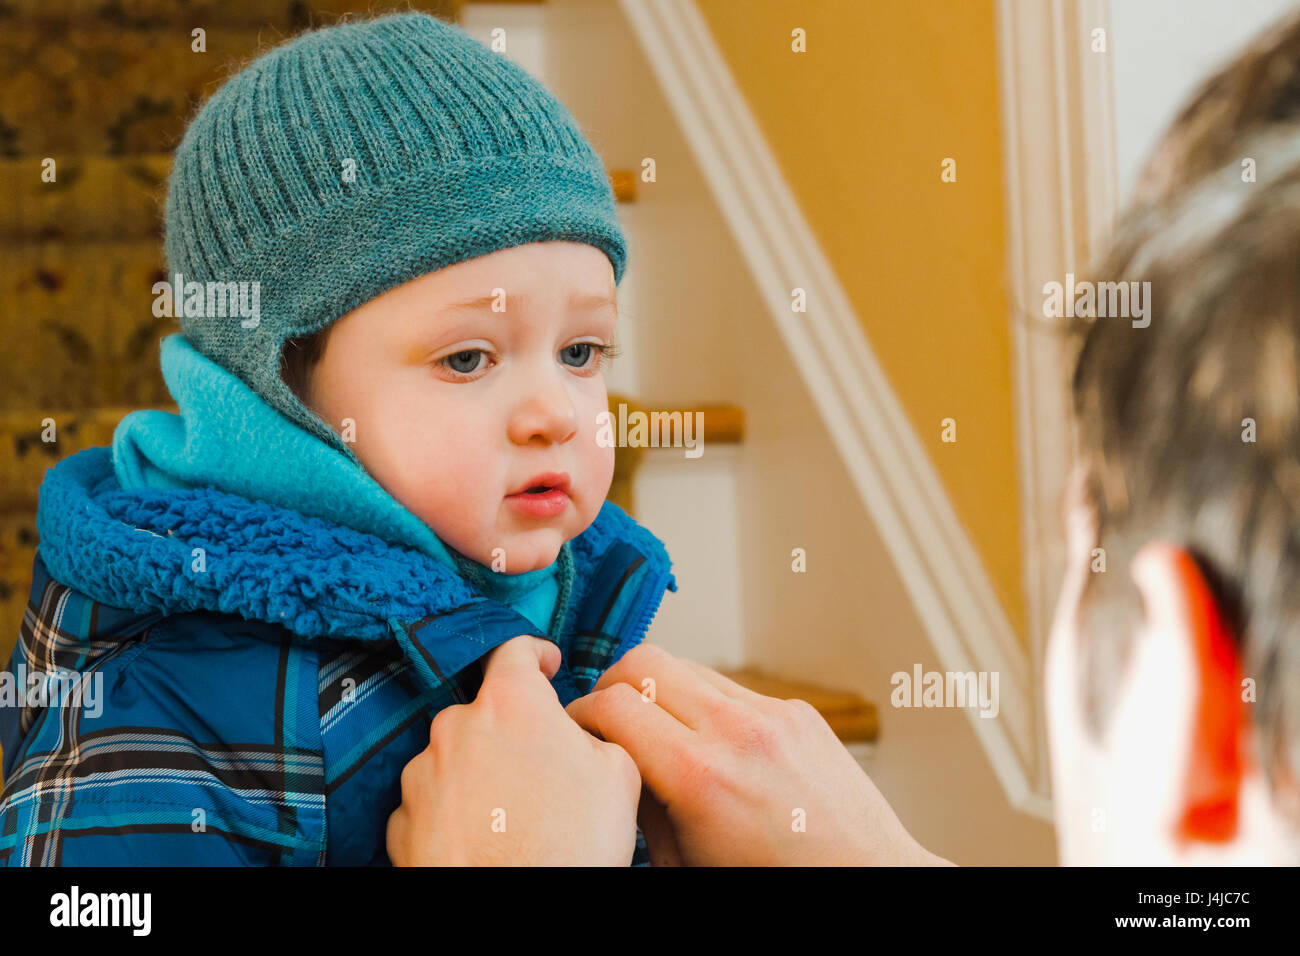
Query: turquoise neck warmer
{"points": [[228, 438]]}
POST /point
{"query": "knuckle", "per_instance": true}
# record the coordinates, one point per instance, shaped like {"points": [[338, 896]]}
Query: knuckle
{"points": [[800, 713], [644, 656], [445, 722], [407, 779], [416, 774], [652, 652], [724, 711], [616, 699], [753, 733], [393, 833], [633, 666], [610, 702]]}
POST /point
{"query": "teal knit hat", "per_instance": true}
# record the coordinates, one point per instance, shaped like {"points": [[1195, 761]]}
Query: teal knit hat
{"points": [[353, 159]]}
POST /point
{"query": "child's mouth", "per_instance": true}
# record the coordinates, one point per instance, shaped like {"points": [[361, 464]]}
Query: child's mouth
{"points": [[544, 497]]}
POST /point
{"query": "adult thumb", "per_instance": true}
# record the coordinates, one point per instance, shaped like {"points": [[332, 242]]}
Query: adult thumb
{"points": [[521, 657]]}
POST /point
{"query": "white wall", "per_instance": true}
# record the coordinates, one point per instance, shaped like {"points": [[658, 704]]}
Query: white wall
{"points": [[1162, 50], [690, 504], [524, 26]]}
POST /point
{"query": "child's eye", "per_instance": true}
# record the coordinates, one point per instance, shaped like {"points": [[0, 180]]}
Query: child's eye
{"points": [[464, 363], [577, 355]]}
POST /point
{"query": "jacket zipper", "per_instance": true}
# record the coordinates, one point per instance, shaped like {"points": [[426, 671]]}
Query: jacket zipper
{"points": [[646, 608]]}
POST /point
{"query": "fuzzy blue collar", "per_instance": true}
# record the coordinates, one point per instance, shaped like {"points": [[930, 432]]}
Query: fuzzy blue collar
{"points": [[175, 552], [157, 552], [188, 550]]}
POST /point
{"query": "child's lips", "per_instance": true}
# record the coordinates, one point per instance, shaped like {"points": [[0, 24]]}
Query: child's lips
{"points": [[540, 504], [543, 496]]}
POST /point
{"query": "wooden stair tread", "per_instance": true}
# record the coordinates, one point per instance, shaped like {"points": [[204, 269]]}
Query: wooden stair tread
{"points": [[724, 423]]}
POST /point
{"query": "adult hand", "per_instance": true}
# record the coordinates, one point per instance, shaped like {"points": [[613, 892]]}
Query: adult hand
{"points": [[511, 780], [736, 778]]}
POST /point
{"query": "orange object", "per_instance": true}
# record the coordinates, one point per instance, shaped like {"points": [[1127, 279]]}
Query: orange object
{"points": [[1216, 768]]}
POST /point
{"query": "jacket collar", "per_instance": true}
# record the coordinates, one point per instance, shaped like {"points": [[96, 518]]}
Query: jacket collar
{"points": [[182, 550], [148, 554]]}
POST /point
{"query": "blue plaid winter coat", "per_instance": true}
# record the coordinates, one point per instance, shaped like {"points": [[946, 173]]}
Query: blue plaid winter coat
{"points": [[243, 684]]}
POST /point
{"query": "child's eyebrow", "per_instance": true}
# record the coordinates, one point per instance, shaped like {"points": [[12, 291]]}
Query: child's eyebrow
{"points": [[595, 300]]}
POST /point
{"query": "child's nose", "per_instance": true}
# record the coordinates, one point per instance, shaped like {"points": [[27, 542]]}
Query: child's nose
{"points": [[545, 414]]}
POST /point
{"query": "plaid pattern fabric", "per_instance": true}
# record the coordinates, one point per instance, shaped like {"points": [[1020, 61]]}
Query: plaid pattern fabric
{"points": [[206, 738], [134, 769]]}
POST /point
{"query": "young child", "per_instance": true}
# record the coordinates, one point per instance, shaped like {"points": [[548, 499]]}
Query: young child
{"points": [[394, 259]]}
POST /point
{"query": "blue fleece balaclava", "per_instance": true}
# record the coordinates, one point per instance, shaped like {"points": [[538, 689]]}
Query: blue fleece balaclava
{"points": [[353, 159]]}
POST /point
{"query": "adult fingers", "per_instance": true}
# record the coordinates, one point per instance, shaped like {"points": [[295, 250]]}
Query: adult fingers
{"points": [[667, 681], [654, 738], [728, 686]]}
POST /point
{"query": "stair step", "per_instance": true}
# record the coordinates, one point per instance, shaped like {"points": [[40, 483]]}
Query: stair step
{"points": [[724, 423]]}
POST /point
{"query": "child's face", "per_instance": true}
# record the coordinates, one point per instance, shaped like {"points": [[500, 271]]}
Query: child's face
{"points": [[460, 409]]}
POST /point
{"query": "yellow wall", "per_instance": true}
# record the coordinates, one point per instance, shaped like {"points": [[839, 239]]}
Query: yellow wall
{"points": [[860, 124]]}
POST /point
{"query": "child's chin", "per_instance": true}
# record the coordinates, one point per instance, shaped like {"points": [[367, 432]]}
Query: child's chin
{"points": [[533, 551]]}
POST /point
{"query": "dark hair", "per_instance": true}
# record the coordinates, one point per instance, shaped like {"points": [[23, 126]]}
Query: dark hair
{"points": [[1164, 412], [298, 358], [1259, 89]]}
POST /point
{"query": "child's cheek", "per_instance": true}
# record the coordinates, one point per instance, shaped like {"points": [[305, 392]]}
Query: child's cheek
{"points": [[442, 472], [604, 468], [597, 457], [461, 462]]}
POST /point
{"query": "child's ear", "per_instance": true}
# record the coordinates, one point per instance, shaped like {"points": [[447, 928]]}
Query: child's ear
{"points": [[1178, 601]]}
